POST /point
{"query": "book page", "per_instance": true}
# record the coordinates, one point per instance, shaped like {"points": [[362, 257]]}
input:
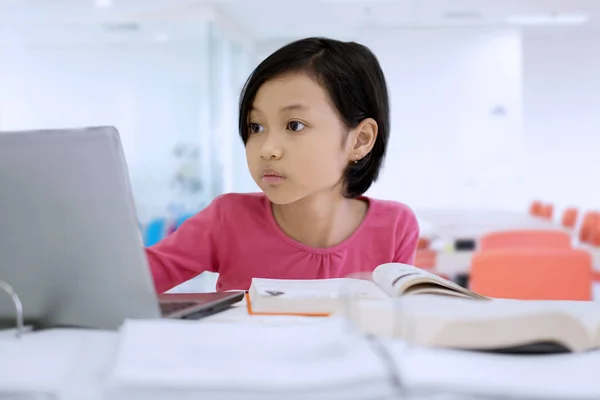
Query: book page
{"points": [[499, 323], [400, 279], [317, 288]]}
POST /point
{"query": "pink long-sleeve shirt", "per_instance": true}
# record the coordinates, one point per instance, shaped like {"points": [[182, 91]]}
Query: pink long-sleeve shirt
{"points": [[238, 237]]}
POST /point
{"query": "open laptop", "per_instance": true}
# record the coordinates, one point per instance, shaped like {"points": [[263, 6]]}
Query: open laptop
{"points": [[70, 245]]}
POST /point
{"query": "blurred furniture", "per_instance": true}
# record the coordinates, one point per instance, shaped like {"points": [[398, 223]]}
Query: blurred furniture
{"points": [[594, 248], [425, 259], [181, 219], [451, 224], [535, 208], [155, 231], [594, 234], [533, 274], [588, 223], [569, 218], [524, 239], [423, 243], [547, 211]]}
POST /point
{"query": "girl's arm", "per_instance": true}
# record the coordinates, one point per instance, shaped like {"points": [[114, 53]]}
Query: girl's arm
{"points": [[192, 249], [409, 239]]}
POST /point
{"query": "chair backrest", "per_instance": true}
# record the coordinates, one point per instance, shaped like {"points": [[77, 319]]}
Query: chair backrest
{"points": [[533, 274], [547, 211], [423, 243], [594, 238], [588, 222], [524, 239], [425, 259], [569, 218], [535, 207]]}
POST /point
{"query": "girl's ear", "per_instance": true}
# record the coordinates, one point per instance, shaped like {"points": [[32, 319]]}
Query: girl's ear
{"points": [[362, 139]]}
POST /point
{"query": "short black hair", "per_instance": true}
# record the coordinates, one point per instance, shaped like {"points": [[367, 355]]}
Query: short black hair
{"points": [[353, 78]]}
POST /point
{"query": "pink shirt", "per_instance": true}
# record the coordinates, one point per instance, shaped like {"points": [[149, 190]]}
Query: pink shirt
{"points": [[238, 237]]}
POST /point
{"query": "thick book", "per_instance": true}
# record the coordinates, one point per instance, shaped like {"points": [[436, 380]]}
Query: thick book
{"points": [[327, 296], [497, 325], [402, 301]]}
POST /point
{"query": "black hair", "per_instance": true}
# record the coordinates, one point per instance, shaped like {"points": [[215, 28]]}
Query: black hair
{"points": [[355, 83]]}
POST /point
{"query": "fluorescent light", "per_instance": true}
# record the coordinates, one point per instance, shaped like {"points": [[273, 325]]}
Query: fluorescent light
{"points": [[103, 3], [549, 19]]}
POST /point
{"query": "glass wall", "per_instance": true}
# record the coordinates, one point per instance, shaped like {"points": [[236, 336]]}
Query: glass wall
{"points": [[173, 100], [174, 104], [224, 169]]}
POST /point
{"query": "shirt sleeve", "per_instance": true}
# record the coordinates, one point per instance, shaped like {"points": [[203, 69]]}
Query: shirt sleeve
{"points": [[408, 239], [192, 249]]}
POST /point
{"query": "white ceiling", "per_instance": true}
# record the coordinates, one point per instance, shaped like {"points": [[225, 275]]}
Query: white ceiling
{"points": [[264, 20]]}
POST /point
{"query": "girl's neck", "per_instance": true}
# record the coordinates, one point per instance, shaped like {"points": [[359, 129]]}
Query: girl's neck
{"points": [[321, 220]]}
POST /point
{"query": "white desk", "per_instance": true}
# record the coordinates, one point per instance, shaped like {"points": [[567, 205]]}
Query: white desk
{"points": [[449, 225], [76, 365]]}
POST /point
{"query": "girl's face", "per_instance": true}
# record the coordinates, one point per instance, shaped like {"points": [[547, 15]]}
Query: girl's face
{"points": [[297, 144]]}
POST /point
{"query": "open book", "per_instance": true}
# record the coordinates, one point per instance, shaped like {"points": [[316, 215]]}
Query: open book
{"points": [[326, 296], [402, 301], [500, 325]]}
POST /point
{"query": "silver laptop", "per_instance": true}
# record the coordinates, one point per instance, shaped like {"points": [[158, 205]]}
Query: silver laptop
{"points": [[70, 244]]}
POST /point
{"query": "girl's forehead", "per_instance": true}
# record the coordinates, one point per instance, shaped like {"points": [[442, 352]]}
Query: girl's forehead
{"points": [[290, 92]]}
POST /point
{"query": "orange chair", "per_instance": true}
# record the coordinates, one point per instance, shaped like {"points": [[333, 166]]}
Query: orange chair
{"points": [[524, 239], [594, 240], [594, 236], [569, 217], [423, 243], [588, 222], [425, 259], [547, 211], [533, 274], [535, 208]]}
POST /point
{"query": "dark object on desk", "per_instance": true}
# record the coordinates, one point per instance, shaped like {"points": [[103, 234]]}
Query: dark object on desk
{"points": [[197, 305], [70, 245], [539, 348], [462, 280], [464, 245]]}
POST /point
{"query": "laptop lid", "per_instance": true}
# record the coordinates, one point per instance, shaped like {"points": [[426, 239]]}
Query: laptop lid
{"points": [[70, 245]]}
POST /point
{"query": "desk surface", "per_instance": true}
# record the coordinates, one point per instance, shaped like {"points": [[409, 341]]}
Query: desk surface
{"points": [[77, 363]]}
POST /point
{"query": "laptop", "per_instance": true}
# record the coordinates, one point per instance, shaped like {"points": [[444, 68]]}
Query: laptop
{"points": [[70, 244]]}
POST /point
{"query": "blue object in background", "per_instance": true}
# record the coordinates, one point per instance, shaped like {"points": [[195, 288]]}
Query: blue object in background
{"points": [[155, 231], [181, 219]]}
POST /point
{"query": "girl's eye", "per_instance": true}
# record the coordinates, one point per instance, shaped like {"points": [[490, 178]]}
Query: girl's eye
{"points": [[295, 126], [255, 128]]}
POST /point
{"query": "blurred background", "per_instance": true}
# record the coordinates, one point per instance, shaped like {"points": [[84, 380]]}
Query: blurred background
{"points": [[494, 103]]}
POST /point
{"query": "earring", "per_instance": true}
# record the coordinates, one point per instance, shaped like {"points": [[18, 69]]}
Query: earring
{"points": [[357, 159]]}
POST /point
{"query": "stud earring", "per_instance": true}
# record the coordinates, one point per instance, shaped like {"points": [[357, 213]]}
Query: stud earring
{"points": [[357, 159]]}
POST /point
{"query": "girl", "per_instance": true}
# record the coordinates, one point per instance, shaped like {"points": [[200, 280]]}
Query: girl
{"points": [[314, 117]]}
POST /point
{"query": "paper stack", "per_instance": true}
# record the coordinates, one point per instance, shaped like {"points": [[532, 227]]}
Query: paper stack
{"points": [[186, 359]]}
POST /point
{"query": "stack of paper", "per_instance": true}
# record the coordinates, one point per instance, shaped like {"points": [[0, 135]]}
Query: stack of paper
{"points": [[187, 359]]}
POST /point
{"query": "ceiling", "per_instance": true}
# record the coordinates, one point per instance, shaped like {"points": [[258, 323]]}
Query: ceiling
{"points": [[265, 20]]}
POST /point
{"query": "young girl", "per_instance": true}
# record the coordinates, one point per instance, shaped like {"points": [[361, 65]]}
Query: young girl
{"points": [[314, 117]]}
